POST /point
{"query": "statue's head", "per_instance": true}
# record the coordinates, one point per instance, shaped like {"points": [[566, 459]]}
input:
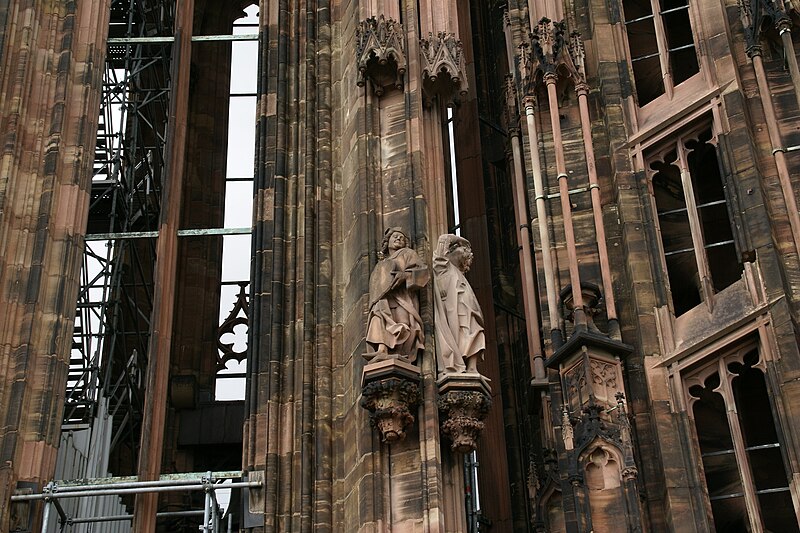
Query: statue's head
{"points": [[459, 252], [394, 239]]}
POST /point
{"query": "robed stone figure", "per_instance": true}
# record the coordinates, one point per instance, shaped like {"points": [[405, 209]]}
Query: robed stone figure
{"points": [[460, 339], [394, 326]]}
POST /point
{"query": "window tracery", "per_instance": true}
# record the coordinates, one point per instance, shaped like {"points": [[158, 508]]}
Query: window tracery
{"points": [[693, 219], [740, 449]]}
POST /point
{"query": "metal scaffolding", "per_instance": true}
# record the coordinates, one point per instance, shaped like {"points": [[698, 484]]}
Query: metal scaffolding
{"points": [[112, 329], [208, 482], [109, 348]]}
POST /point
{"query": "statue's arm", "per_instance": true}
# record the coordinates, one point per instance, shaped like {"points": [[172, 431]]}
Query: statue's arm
{"points": [[442, 246], [441, 262], [417, 273]]}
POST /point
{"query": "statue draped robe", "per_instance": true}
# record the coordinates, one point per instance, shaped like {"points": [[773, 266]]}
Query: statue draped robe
{"points": [[459, 320], [394, 319]]}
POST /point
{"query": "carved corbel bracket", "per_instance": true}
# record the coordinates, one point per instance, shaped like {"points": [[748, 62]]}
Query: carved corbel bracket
{"points": [[444, 71], [380, 53], [391, 393], [464, 402], [592, 304], [630, 473]]}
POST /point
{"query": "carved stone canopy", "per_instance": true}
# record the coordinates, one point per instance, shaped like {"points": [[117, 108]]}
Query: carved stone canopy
{"points": [[755, 16], [443, 66], [550, 51], [380, 54]]}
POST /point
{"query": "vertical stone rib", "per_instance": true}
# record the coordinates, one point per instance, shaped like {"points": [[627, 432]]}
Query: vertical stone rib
{"points": [[309, 279], [526, 267], [566, 204], [542, 222], [157, 377], [597, 211], [322, 445], [267, 334]]}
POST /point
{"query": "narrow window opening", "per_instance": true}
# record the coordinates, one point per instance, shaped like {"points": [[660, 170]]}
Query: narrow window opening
{"points": [[235, 286], [676, 234], [452, 175], [712, 210], [762, 446], [555, 514], [472, 497], [723, 481], [680, 40]]}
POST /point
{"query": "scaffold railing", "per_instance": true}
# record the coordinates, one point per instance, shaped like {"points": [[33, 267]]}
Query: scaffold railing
{"points": [[208, 482]]}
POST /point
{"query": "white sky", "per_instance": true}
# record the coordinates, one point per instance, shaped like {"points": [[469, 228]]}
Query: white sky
{"points": [[239, 194]]}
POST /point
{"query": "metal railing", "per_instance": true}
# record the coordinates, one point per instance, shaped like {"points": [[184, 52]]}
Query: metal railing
{"points": [[208, 482]]}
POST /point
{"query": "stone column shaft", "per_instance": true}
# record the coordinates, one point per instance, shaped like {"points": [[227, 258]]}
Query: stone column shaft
{"points": [[52, 61]]}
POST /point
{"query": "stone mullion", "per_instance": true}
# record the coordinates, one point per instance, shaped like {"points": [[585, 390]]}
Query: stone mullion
{"points": [[725, 389], [695, 226]]}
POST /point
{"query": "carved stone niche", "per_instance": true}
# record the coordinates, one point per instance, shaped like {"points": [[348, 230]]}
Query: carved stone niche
{"points": [[464, 402], [444, 70], [381, 56], [390, 392]]}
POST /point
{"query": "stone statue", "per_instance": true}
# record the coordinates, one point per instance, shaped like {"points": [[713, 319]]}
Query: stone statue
{"points": [[394, 327], [460, 340]]}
